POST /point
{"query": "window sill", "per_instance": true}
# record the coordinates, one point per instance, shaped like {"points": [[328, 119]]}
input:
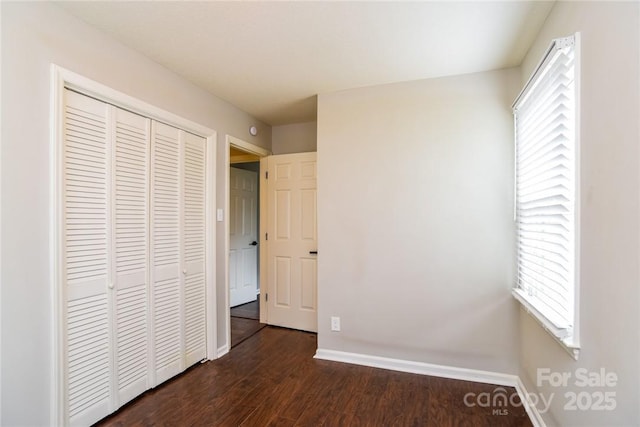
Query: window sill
{"points": [[567, 342]]}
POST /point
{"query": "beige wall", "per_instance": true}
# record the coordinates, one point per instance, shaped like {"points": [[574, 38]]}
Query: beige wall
{"points": [[295, 138], [609, 284], [34, 35], [416, 235]]}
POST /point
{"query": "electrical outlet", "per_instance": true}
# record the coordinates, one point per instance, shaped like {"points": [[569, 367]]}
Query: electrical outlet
{"points": [[335, 323]]}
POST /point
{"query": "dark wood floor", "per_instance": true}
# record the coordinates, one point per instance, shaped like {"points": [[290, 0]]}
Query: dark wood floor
{"points": [[243, 329], [245, 322], [250, 310], [273, 380]]}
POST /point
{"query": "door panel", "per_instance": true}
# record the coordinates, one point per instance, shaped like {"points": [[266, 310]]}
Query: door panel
{"points": [[282, 287], [131, 241], [282, 214], [166, 286], [308, 284], [86, 270], [292, 228], [308, 214], [194, 248], [243, 236]]}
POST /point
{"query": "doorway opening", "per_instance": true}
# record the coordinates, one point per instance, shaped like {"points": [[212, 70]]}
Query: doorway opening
{"points": [[243, 233]]}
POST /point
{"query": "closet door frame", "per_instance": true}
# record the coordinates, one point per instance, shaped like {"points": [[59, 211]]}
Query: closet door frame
{"points": [[62, 78]]}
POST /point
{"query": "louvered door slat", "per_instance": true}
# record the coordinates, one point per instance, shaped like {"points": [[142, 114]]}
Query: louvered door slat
{"points": [[194, 247], [86, 231], [165, 252], [131, 248]]}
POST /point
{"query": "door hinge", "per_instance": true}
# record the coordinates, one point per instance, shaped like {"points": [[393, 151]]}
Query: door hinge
{"points": [[266, 174], [266, 236], [266, 297]]}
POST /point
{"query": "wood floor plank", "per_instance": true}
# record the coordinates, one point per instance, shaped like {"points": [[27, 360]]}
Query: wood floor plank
{"points": [[266, 411], [280, 422], [242, 328], [250, 310], [272, 379]]}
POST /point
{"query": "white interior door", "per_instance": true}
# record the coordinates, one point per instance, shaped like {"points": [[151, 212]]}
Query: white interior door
{"points": [[292, 241], [243, 236]]}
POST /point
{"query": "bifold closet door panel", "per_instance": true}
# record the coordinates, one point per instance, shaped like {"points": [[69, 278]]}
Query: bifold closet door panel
{"points": [[133, 255], [86, 234], [131, 248], [194, 247], [166, 275]]}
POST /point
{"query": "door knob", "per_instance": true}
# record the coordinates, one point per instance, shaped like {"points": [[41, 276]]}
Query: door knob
{"points": [[254, 243]]}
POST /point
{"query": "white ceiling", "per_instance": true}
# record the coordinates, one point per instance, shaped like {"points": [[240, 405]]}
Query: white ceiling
{"points": [[271, 58]]}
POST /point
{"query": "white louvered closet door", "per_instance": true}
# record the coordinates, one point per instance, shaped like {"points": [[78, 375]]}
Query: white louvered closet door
{"points": [[131, 248], [166, 274], [177, 250], [194, 247], [133, 261], [86, 273]]}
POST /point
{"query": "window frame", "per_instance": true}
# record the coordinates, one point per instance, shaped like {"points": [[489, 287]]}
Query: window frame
{"points": [[569, 341]]}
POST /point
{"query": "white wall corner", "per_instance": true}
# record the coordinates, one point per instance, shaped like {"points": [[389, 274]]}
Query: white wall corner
{"points": [[222, 351]]}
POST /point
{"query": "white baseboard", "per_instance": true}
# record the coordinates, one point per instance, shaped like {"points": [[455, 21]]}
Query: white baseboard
{"points": [[532, 411], [451, 372], [421, 368], [222, 351]]}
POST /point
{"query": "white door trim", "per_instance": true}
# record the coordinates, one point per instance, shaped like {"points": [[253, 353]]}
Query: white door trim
{"points": [[62, 78], [263, 253], [247, 146], [231, 141], [242, 294]]}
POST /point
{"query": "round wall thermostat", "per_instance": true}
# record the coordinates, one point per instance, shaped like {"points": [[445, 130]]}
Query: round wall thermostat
{"points": [[253, 130]]}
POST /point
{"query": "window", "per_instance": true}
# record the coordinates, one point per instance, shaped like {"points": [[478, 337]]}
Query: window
{"points": [[545, 115]]}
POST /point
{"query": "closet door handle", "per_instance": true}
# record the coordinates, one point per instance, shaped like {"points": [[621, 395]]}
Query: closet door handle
{"points": [[254, 243], [313, 252]]}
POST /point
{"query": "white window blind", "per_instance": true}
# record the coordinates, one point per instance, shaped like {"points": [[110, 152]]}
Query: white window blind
{"points": [[546, 171]]}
